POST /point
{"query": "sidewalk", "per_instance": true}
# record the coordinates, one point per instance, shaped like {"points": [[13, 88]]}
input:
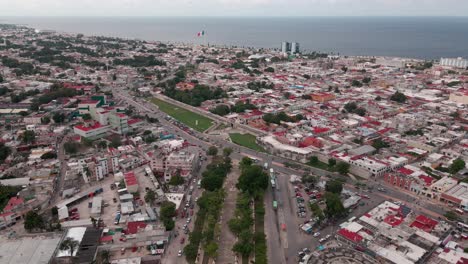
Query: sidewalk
{"points": [[227, 238]]}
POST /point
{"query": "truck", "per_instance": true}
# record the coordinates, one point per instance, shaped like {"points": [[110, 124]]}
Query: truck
{"points": [[117, 218]]}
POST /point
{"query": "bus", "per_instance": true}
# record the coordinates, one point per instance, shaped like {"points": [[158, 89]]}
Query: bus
{"points": [[275, 205]]}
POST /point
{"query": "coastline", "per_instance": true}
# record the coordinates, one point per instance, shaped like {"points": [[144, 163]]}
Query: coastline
{"points": [[311, 32]]}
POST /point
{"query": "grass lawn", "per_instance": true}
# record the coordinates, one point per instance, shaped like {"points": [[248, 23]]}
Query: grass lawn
{"points": [[183, 115], [246, 140]]}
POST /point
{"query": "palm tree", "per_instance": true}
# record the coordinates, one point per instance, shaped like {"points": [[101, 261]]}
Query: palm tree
{"points": [[69, 244], [94, 221], [104, 257]]}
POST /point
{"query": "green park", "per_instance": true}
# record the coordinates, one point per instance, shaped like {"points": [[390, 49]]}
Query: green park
{"points": [[246, 140], [189, 118]]}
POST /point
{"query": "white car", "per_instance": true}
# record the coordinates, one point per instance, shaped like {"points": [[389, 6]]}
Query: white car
{"points": [[322, 240], [328, 236], [317, 234], [180, 253]]}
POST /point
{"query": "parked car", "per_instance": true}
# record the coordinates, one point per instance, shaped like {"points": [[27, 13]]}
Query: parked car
{"points": [[182, 240], [180, 253], [316, 234]]}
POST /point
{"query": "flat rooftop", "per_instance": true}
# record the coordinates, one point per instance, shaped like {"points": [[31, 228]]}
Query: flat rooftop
{"points": [[36, 250]]}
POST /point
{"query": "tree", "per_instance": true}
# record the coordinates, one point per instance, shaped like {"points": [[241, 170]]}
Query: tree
{"points": [[166, 213], [227, 152], [58, 117], [331, 162], [221, 110], [253, 180], [350, 107], [150, 196], [366, 80], [115, 142], [360, 111], [334, 186], [309, 179], [86, 117], [69, 244], [456, 166], [5, 151], [71, 147], [104, 256], [33, 221], [344, 69], [1, 78], [306, 76], [379, 144], [212, 151], [334, 206], [269, 69], [23, 113], [356, 83], [54, 211], [211, 249], [49, 155], [451, 216], [245, 162], [313, 160], [176, 180], [378, 98], [102, 144], [342, 167], [45, 120], [398, 97], [28, 136]]}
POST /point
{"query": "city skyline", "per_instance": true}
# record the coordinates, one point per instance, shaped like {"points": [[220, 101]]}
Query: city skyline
{"points": [[262, 8]]}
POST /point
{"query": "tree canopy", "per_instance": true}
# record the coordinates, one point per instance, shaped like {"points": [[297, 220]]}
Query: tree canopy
{"points": [[398, 97], [457, 165], [334, 206], [334, 186], [253, 180]]}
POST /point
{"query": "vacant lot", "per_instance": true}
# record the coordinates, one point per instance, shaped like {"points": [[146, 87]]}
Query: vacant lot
{"points": [[246, 140], [191, 119]]}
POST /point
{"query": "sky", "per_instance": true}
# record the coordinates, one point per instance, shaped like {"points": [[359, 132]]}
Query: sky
{"points": [[234, 8]]}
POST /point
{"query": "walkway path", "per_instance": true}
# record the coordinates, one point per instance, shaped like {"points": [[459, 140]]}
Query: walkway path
{"points": [[227, 238]]}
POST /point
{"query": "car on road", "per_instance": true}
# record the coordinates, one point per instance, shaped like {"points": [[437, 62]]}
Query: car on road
{"points": [[322, 240], [328, 236], [300, 254], [182, 240], [316, 234], [186, 231], [380, 189], [180, 253], [185, 226], [306, 250]]}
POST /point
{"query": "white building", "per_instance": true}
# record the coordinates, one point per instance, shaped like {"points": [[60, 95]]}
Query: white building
{"points": [[454, 62]]}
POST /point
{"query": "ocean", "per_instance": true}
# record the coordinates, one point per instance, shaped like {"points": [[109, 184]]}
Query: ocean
{"points": [[413, 37]]}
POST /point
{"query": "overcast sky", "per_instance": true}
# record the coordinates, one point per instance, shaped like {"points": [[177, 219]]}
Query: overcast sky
{"points": [[234, 8]]}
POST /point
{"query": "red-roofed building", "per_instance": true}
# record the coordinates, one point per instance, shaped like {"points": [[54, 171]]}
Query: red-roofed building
{"points": [[134, 227], [322, 97], [14, 204], [92, 130], [401, 181], [349, 236], [424, 223], [311, 141], [131, 182]]}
